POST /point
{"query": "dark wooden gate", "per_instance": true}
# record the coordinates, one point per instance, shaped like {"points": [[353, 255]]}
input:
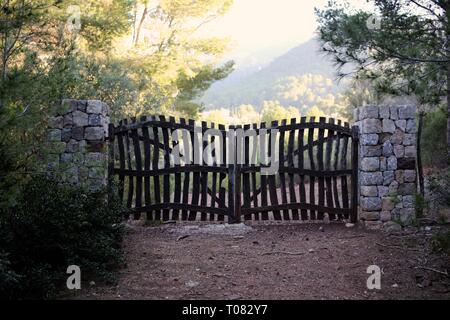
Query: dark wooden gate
{"points": [[316, 176]]}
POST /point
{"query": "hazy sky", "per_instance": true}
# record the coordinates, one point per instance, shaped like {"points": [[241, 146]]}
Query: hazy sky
{"points": [[256, 24]]}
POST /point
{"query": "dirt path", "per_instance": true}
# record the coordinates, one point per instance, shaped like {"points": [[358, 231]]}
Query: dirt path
{"points": [[274, 262]]}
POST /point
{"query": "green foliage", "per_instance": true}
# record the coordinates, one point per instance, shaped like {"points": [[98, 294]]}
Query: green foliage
{"points": [[440, 186], [434, 152], [407, 54], [420, 205], [53, 226], [441, 242]]}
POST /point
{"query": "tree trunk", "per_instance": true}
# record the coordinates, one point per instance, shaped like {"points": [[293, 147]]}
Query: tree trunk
{"points": [[141, 22]]}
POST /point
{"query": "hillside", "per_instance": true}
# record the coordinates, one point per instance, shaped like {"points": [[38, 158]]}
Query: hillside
{"points": [[303, 70]]}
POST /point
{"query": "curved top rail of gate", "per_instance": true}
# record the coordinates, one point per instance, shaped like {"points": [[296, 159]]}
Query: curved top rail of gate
{"points": [[316, 176]]}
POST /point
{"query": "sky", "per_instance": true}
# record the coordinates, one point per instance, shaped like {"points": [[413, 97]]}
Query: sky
{"points": [[255, 25]]}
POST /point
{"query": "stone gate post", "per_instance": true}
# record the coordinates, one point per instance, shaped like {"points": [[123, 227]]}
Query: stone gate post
{"points": [[77, 142], [387, 164]]}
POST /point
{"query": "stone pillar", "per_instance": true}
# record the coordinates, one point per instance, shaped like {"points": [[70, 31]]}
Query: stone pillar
{"points": [[387, 164], [77, 143]]}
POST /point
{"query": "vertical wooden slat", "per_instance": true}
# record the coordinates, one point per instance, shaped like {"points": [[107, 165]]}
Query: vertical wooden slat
{"points": [[130, 167], [254, 186], [238, 183], [272, 179], [177, 180], [246, 175], [214, 175], [187, 156], [321, 180], [336, 167], [155, 160], [147, 161], [196, 175], [302, 191], [120, 144], [264, 215], [344, 186], [282, 174], [222, 189], [329, 192], [204, 174], [231, 180], [354, 204], [312, 179], [290, 160], [166, 177], [138, 163]]}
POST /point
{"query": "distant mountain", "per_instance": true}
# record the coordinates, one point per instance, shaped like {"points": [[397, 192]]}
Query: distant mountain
{"points": [[255, 84]]}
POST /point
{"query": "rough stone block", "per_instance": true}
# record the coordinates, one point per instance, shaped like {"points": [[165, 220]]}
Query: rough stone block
{"points": [[407, 215], [77, 133], [369, 191], [371, 178], [373, 225], [401, 124], [72, 146], [406, 112], [397, 137], [399, 151], [388, 126], [394, 112], [411, 126], [370, 139], [371, 126], [383, 191], [408, 201], [409, 176], [388, 149], [370, 164], [56, 122], [400, 176], [409, 139], [385, 216], [383, 163], [393, 187], [392, 163], [66, 134], [80, 119], [68, 121], [369, 112], [388, 203], [54, 135], [371, 151], [369, 215], [384, 112], [406, 163], [94, 133], [406, 188], [94, 107], [410, 151], [95, 120], [388, 177], [370, 203]]}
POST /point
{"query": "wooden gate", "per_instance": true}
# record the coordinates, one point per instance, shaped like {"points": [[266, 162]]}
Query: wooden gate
{"points": [[316, 176]]}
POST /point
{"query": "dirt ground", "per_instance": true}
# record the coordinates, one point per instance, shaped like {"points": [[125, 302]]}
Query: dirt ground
{"points": [[274, 261]]}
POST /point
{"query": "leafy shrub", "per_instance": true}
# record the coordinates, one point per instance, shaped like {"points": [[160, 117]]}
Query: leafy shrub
{"points": [[53, 226], [441, 242], [440, 186], [434, 143], [420, 205]]}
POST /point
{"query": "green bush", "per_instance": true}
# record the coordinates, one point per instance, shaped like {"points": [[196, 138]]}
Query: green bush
{"points": [[433, 140], [51, 227]]}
